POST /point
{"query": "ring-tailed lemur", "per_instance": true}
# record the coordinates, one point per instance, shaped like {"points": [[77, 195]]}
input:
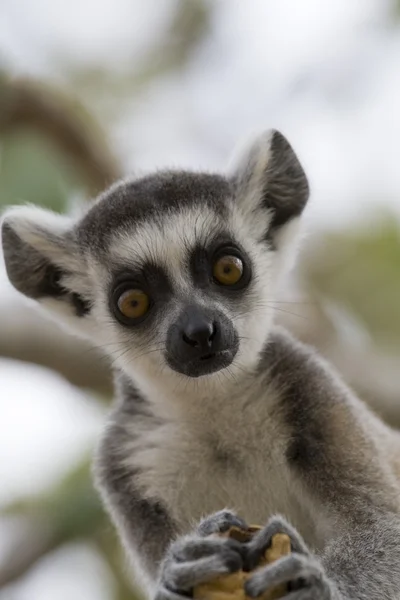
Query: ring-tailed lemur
{"points": [[175, 275]]}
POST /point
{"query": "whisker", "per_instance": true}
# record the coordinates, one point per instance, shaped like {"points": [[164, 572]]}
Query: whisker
{"points": [[289, 312], [292, 302]]}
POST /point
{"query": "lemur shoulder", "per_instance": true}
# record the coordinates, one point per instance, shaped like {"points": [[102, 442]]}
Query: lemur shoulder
{"points": [[176, 274]]}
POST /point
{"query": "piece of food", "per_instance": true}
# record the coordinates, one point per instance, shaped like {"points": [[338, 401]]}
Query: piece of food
{"points": [[231, 587]]}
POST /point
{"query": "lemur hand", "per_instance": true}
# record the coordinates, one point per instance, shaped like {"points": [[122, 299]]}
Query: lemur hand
{"points": [[195, 558], [301, 570]]}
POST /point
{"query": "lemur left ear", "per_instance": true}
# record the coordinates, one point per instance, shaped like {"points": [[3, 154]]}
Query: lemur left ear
{"points": [[269, 175]]}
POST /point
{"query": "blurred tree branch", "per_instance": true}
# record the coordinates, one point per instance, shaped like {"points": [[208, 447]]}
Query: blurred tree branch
{"points": [[70, 511], [189, 25], [30, 545], [26, 335], [25, 103]]}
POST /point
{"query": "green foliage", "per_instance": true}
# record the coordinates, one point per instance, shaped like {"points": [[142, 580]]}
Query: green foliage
{"points": [[32, 170], [71, 509], [74, 505], [359, 268]]}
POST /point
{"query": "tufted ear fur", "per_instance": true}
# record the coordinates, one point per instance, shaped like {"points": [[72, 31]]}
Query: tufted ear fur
{"points": [[272, 190], [269, 175], [42, 259]]}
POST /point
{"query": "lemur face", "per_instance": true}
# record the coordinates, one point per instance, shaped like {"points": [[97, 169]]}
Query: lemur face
{"points": [[181, 279], [171, 273]]}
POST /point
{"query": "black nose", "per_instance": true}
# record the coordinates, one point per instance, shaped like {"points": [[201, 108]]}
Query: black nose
{"points": [[200, 333], [200, 341]]}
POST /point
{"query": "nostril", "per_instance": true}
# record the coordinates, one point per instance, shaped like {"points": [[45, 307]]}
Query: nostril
{"points": [[199, 334], [189, 341], [213, 332]]}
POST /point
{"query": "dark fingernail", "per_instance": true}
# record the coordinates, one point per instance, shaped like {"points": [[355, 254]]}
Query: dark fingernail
{"points": [[234, 562], [251, 561]]}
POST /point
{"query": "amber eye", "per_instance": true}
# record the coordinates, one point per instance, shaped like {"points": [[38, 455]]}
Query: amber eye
{"points": [[228, 270], [133, 304]]}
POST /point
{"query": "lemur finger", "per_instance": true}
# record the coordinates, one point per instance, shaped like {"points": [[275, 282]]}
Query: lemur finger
{"points": [[262, 540], [163, 593], [184, 576], [293, 567], [311, 593], [220, 522], [195, 547], [303, 594]]}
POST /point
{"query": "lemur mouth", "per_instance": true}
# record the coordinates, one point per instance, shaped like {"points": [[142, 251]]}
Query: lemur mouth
{"points": [[209, 363], [208, 356]]}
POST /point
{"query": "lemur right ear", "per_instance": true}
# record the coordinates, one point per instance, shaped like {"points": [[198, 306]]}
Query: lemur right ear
{"points": [[269, 175], [42, 259]]}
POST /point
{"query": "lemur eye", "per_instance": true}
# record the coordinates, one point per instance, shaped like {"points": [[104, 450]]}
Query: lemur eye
{"points": [[133, 304], [228, 270]]}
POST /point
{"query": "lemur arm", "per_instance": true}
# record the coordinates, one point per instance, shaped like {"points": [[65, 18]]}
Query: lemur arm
{"points": [[359, 500], [339, 461], [364, 559], [358, 507], [144, 525]]}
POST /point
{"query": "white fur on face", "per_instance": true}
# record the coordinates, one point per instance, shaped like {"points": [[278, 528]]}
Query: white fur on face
{"points": [[167, 240], [168, 243]]}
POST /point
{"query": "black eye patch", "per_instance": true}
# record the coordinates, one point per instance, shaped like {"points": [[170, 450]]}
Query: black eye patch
{"points": [[81, 306], [203, 260], [149, 275], [150, 279]]}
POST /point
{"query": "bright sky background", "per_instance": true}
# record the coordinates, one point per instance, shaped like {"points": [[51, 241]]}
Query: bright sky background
{"points": [[326, 73]]}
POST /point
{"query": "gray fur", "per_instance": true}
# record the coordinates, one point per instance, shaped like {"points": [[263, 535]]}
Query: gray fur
{"points": [[284, 187], [129, 203], [29, 272], [275, 430], [143, 523]]}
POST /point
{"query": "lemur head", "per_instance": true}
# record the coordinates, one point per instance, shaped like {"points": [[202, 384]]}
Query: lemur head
{"points": [[175, 270]]}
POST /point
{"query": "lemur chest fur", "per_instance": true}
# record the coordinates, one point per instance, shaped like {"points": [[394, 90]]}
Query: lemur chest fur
{"points": [[231, 456]]}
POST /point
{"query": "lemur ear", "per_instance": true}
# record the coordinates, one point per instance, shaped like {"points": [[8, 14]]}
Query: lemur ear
{"points": [[269, 175], [41, 256]]}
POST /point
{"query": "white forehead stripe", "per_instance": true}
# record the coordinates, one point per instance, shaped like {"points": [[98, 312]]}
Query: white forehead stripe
{"points": [[167, 240]]}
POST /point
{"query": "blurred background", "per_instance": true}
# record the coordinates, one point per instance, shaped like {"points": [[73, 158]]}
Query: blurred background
{"points": [[94, 89]]}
